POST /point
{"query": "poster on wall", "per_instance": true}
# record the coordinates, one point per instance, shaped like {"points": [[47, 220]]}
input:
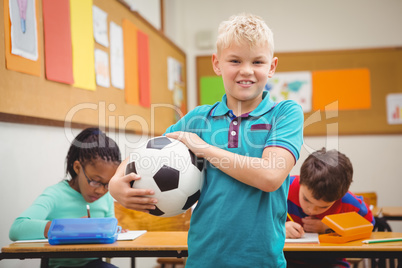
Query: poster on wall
{"points": [[102, 68], [394, 108], [17, 62], [100, 26], [24, 36], [174, 68], [116, 55], [291, 86]]}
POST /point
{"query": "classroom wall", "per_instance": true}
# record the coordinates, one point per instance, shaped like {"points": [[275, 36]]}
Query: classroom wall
{"points": [[32, 157]]}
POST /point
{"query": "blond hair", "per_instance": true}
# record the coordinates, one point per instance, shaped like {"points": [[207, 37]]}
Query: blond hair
{"points": [[244, 28]]}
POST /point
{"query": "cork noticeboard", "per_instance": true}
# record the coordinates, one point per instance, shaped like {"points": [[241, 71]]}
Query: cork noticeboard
{"points": [[35, 100], [385, 67]]}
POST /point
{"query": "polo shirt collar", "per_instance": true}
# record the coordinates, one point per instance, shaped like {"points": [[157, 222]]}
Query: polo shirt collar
{"points": [[265, 105]]}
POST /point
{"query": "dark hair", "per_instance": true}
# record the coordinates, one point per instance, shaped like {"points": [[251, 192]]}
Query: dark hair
{"points": [[327, 174], [89, 145]]}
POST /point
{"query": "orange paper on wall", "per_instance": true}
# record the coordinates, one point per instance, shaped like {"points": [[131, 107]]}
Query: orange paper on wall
{"points": [[15, 62], [350, 87], [58, 51], [143, 69], [130, 45]]}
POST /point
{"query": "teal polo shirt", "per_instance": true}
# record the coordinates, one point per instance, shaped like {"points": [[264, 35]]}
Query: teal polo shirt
{"points": [[234, 224]]}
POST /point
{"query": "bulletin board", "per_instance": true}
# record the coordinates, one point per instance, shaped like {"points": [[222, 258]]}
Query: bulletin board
{"points": [[385, 69], [32, 99]]}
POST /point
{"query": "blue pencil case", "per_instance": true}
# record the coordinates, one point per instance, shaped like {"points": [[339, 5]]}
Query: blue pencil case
{"points": [[83, 231]]}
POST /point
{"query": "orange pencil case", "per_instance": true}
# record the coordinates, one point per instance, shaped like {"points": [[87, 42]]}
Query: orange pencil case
{"points": [[348, 226]]}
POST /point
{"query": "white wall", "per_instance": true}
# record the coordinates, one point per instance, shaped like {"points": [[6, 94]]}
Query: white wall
{"points": [[148, 9], [32, 157]]}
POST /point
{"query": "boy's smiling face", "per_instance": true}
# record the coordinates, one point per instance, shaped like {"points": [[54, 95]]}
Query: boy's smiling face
{"points": [[309, 204], [245, 71]]}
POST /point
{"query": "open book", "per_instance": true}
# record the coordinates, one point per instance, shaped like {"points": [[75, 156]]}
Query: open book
{"points": [[307, 238]]}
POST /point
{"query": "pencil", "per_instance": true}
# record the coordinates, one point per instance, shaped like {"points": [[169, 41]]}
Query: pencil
{"points": [[89, 213], [372, 241], [290, 218]]}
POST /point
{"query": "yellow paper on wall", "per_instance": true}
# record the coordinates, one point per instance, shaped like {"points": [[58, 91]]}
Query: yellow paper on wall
{"points": [[83, 44]]}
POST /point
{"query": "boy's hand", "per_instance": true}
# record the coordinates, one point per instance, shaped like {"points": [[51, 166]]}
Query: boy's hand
{"points": [[314, 225], [294, 230], [191, 140], [136, 199]]}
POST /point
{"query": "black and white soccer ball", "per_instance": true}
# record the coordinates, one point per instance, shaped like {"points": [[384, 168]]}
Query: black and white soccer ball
{"points": [[169, 168]]}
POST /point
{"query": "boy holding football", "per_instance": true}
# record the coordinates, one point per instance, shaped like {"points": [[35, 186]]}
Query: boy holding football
{"points": [[250, 144]]}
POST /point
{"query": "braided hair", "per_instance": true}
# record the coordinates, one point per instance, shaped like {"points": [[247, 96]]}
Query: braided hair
{"points": [[89, 145]]}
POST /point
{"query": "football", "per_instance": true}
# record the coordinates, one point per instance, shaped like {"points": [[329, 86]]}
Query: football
{"points": [[169, 168]]}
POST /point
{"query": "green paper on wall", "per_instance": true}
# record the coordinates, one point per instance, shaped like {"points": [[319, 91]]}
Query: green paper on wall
{"points": [[212, 89]]}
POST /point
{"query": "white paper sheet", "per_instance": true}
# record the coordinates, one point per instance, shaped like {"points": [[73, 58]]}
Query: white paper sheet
{"points": [[308, 238], [102, 68], [116, 55], [130, 235], [394, 108], [24, 40], [100, 26]]}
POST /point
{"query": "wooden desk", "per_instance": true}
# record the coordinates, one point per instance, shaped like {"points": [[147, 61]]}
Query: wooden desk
{"points": [[376, 211], [392, 213], [354, 249], [174, 244], [150, 244]]}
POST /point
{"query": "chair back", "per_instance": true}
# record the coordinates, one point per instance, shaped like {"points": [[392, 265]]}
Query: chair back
{"points": [[135, 220], [370, 198], [381, 225]]}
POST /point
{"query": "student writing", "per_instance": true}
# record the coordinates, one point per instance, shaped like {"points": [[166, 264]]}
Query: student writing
{"points": [[91, 162], [250, 144], [321, 189]]}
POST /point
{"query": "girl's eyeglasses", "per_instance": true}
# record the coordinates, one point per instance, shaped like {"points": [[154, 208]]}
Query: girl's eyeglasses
{"points": [[95, 184]]}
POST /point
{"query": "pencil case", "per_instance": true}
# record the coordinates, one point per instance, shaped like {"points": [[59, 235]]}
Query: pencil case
{"points": [[83, 231], [347, 227]]}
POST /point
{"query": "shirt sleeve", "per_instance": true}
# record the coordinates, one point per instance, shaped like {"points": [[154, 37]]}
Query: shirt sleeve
{"points": [[195, 121], [351, 202], [183, 124], [32, 222], [287, 129], [110, 212]]}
